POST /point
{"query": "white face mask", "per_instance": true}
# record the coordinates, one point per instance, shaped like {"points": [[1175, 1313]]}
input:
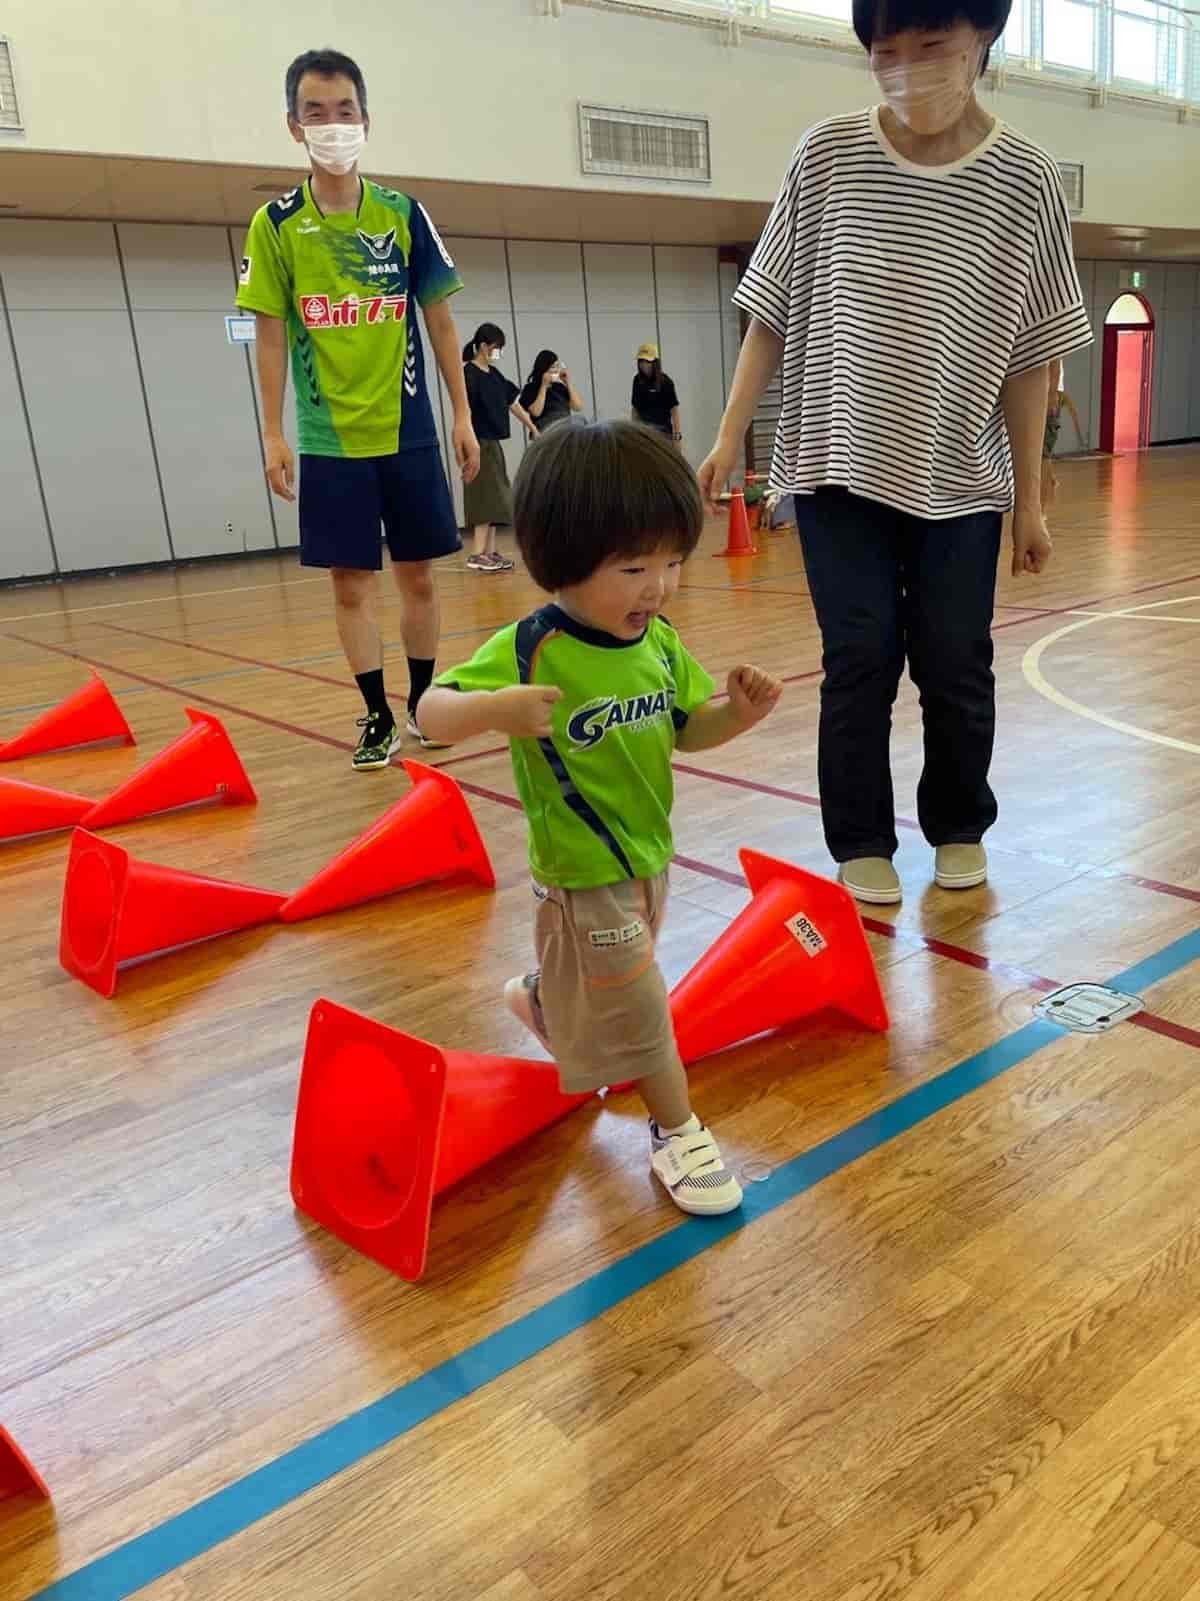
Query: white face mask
{"points": [[494, 355], [336, 146], [929, 96]]}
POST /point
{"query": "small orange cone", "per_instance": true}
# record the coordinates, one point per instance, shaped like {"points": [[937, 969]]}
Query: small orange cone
{"points": [[84, 718], [33, 809], [201, 765], [18, 1476], [796, 949], [739, 543], [384, 1122], [430, 833], [117, 909]]}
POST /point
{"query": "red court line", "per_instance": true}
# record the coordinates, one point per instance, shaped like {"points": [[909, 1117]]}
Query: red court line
{"points": [[957, 953], [1157, 885], [230, 656]]}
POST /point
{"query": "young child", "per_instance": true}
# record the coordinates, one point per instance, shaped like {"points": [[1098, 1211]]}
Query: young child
{"points": [[595, 692]]}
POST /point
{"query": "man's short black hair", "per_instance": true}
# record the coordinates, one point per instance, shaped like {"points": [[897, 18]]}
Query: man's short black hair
{"points": [[880, 19], [326, 64], [589, 491]]}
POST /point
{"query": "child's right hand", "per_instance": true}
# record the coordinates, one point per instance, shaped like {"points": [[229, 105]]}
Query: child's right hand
{"points": [[525, 709]]}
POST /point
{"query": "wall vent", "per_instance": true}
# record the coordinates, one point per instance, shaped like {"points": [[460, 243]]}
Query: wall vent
{"points": [[618, 142], [1071, 173], [10, 111]]}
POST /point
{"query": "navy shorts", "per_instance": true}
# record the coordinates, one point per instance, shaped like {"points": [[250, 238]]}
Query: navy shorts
{"points": [[350, 504]]}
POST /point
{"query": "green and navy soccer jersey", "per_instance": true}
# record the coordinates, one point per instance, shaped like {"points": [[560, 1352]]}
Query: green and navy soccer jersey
{"points": [[598, 792], [346, 286]]}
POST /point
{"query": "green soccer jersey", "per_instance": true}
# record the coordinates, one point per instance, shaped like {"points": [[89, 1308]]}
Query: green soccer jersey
{"points": [[346, 285], [598, 792]]}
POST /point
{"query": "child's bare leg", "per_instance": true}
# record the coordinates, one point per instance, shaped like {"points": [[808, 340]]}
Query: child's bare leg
{"points": [[666, 1097]]}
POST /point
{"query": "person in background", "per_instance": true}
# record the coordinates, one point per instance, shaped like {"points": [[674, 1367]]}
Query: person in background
{"points": [[549, 395], [654, 400], [1056, 399], [334, 272], [914, 405], [492, 397]]}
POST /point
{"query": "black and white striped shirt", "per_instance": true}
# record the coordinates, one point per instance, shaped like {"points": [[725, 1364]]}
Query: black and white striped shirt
{"points": [[906, 296]]}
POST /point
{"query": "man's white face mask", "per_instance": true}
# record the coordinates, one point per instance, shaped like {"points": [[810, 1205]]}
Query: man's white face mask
{"points": [[336, 146], [929, 96]]}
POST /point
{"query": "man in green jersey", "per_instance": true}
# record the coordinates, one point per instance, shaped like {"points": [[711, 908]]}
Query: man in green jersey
{"points": [[596, 692], [334, 272]]}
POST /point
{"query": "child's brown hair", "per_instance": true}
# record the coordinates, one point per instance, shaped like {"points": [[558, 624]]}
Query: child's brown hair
{"points": [[590, 491]]}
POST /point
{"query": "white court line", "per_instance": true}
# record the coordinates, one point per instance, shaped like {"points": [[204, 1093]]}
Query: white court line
{"points": [[155, 600], [162, 600], [1132, 617], [1035, 678]]}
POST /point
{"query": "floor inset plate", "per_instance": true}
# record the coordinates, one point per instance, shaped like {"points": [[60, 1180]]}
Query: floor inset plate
{"points": [[1088, 1008]]}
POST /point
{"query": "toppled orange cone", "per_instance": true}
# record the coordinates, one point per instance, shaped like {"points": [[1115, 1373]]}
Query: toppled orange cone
{"points": [[384, 1121], [201, 765], [428, 834], [84, 718], [117, 909], [798, 948]]}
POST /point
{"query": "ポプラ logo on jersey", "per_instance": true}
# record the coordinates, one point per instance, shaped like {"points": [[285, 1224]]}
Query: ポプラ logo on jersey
{"points": [[318, 311], [590, 723]]}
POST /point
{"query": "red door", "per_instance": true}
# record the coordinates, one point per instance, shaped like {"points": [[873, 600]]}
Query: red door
{"points": [[1126, 381]]}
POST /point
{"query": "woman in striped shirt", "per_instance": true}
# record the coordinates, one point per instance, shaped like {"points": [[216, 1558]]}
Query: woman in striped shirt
{"points": [[915, 279]]}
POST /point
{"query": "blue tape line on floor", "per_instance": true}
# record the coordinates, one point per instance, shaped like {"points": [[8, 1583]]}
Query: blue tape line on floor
{"points": [[268, 1489]]}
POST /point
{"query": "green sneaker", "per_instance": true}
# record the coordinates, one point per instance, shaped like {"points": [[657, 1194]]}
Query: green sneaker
{"points": [[380, 737]]}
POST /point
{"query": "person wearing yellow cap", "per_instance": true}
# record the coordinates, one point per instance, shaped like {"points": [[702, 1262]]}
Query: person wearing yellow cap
{"points": [[654, 400]]}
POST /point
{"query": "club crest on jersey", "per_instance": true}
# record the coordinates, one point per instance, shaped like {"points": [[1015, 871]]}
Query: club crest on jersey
{"points": [[379, 244], [318, 311], [591, 722]]}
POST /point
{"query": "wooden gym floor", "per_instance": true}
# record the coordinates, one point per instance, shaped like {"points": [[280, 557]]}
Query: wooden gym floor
{"points": [[963, 1365]]}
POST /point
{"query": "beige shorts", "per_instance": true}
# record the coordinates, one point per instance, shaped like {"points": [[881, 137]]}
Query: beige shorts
{"points": [[602, 994]]}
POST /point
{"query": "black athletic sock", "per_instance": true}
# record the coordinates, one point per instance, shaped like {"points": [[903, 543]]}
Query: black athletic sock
{"points": [[371, 685], [420, 676]]}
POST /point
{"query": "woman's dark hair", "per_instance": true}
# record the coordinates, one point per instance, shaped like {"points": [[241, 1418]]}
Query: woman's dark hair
{"points": [[486, 334], [589, 491], [542, 363], [657, 375], [326, 64], [880, 19]]}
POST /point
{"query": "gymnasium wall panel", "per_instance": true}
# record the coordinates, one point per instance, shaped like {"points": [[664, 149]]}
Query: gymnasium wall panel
{"points": [[25, 548], [284, 514], [74, 345], [622, 315], [687, 286], [202, 413], [485, 297]]}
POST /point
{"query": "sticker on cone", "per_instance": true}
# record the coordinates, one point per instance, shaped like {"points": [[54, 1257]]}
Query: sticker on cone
{"points": [[428, 834], [201, 765], [117, 909], [84, 718], [798, 948], [384, 1122], [33, 809], [18, 1476], [739, 542]]}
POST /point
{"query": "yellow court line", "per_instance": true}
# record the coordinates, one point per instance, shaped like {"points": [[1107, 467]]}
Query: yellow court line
{"points": [[1036, 679]]}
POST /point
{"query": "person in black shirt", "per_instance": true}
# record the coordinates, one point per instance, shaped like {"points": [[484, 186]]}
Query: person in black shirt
{"points": [[488, 497], [654, 401], [549, 395]]}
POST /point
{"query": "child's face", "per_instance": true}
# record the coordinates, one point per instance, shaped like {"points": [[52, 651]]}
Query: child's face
{"points": [[623, 595]]}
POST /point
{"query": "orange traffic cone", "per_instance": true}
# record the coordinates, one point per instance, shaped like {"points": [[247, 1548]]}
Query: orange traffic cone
{"points": [[384, 1122], [18, 1476], [117, 909], [33, 809], [428, 834], [84, 718], [796, 949], [201, 765], [739, 529]]}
